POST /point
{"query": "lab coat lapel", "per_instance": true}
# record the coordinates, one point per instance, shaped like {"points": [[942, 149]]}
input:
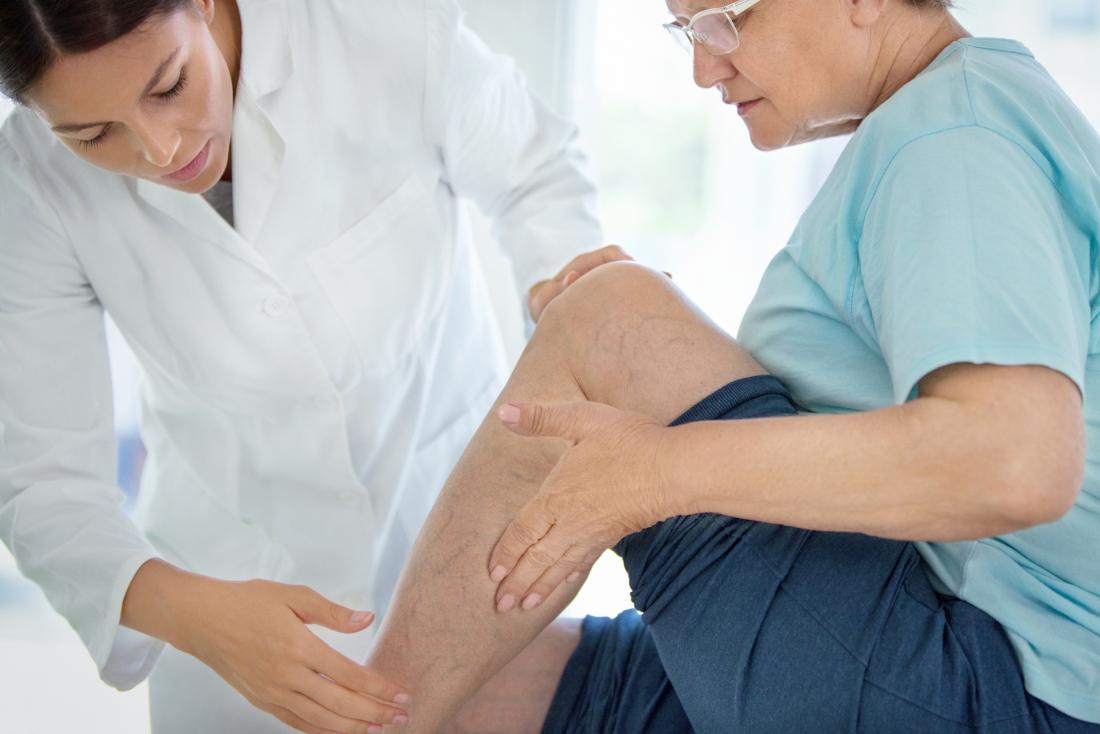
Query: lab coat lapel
{"points": [[193, 213], [259, 149], [257, 152]]}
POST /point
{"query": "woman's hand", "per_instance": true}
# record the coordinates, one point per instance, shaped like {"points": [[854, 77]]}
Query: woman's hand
{"points": [[254, 635], [606, 486], [543, 292]]}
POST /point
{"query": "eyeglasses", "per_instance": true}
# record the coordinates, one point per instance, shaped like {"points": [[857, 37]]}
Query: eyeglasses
{"points": [[715, 29]]}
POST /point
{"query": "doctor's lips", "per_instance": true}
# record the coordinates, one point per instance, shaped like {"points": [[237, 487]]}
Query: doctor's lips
{"points": [[192, 169]]}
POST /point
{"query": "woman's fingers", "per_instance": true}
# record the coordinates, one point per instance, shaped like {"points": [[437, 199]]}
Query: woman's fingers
{"points": [[591, 260], [527, 528], [546, 291], [359, 692], [613, 253], [294, 721], [590, 560], [355, 708], [314, 714], [570, 421], [584, 567], [312, 608], [570, 563], [341, 694], [535, 561], [542, 294]]}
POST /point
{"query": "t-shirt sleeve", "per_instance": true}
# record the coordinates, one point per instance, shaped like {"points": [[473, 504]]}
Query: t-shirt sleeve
{"points": [[967, 257]]}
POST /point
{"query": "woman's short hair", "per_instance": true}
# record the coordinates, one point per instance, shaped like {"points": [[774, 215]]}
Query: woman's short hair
{"points": [[34, 33]]}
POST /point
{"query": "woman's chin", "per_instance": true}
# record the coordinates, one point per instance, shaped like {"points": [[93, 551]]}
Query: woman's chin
{"points": [[766, 140]]}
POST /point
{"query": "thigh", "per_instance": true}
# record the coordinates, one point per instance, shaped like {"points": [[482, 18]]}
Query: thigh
{"points": [[615, 683], [516, 699], [763, 628], [943, 665], [766, 628]]}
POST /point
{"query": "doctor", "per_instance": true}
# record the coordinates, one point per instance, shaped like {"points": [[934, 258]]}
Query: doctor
{"points": [[316, 339]]}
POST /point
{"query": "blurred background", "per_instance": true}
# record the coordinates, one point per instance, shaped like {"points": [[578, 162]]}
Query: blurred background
{"points": [[681, 189]]}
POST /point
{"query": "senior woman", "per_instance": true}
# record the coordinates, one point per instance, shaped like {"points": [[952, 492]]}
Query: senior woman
{"points": [[904, 537]]}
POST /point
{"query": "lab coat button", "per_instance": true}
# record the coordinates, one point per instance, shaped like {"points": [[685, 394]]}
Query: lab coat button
{"points": [[276, 306]]}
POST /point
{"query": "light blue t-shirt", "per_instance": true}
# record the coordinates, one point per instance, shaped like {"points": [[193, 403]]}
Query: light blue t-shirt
{"points": [[962, 224]]}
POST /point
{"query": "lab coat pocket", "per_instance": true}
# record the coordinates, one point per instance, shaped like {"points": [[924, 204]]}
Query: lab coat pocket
{"points": [[388, 275]]}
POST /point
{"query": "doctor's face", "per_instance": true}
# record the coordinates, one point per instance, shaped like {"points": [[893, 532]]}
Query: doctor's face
{"points": [[798, 74], [155, 104]]}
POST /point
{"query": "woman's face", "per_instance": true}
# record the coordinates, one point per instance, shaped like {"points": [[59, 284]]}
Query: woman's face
{"points": [[800, 73], [155, 104]]}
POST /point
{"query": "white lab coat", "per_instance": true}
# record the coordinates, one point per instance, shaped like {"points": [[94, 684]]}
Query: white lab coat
{"points": [[310, 376]]}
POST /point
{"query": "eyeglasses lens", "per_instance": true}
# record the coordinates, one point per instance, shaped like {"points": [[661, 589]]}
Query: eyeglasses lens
{"points": [[679, 35], [717, 33]]}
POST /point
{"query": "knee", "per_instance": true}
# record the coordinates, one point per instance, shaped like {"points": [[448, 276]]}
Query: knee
{"points": [[616, 291]]}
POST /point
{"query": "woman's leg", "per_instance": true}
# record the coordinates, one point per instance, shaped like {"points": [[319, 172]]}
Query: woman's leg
{"points": [[516, 699], [610, 674], [765, 628], [758, 627], [621, 335], [607, 677]]}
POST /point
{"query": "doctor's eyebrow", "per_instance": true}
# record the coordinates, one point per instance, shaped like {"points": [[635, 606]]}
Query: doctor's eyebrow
{"points": [[153, 82]]}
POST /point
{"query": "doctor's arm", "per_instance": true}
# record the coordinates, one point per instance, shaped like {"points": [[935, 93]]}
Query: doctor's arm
{"points": [[503, 148], [61, 512]]}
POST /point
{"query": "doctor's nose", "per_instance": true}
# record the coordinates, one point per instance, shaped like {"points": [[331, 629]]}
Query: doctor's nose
{"points": [[159, 147], [709, 69]]}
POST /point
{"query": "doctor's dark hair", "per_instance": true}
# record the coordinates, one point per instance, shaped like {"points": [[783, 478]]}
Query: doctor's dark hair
{"points": [[35, 33]]}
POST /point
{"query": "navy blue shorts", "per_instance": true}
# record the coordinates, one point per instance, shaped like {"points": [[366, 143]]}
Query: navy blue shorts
{"points": [[751, 627]]}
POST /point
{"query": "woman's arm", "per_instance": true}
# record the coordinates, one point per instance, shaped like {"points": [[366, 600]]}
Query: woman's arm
{"points": [[986, 450], [60, 508], [505, 150]]}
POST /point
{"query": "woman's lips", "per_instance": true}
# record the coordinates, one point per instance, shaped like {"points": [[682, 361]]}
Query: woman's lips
{"points": [[744, 107], [192, 169]]}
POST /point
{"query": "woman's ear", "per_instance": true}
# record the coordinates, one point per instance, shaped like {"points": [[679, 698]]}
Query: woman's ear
{"points": [[866, 13], [206, 9]]}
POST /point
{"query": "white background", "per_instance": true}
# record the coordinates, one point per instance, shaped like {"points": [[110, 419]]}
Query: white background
{"points": [[681, 189]]}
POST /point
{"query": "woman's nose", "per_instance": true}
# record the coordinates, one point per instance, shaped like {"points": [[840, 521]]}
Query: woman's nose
{"points": [[708, 68], [159, 146]]}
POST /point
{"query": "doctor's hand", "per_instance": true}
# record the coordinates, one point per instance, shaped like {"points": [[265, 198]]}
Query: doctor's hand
{"points": [[604, 487], [543, 292], [254, 635]]}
